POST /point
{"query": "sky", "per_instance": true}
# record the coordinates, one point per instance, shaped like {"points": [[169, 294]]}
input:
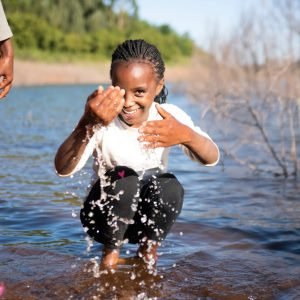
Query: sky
{"points": [[199, 18]]}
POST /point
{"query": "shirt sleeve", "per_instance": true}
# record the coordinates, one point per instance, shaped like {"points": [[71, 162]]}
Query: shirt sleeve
{"points": [[185, 119], [5, 31]]}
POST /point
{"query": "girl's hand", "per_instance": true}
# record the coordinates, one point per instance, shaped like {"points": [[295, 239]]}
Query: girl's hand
{"points": [[104, 105], [163, 133]]}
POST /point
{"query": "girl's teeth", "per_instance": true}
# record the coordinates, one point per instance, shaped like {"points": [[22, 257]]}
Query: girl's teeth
{"points": [[130, 112]]}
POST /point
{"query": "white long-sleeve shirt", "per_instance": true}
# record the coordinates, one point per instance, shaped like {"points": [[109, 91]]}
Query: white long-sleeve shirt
{"points": [[118, 145], [5, 31]]}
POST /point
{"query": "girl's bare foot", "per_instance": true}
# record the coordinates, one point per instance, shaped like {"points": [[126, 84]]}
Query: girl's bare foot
{"points": [[148, 252], [110, 257]]}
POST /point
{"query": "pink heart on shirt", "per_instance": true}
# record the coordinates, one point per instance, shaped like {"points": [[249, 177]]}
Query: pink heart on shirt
{"points": [[121, 173]]}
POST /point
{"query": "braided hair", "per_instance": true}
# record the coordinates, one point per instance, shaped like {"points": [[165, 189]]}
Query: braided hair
{"points": [[141, 51]]}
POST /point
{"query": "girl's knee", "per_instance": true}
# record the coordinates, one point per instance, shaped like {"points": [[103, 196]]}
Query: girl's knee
{"points": [[171, 192]]}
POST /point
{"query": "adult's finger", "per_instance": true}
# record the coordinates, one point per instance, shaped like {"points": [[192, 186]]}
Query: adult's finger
{"points": [[5, 90]]}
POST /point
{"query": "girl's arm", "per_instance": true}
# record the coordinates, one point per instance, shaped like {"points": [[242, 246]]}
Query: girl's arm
{"points": [[169, 132], [69, 153], [101, 108], [202, 148]]}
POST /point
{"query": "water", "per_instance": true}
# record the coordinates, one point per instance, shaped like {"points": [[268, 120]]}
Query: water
{"points": [[238, 236]]}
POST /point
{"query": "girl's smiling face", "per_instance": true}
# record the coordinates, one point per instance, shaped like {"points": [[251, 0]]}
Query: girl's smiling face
{"points": [[141, 85]]}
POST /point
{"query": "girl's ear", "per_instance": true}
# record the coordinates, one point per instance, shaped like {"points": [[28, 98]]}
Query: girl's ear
{"points": [[160, 86]]}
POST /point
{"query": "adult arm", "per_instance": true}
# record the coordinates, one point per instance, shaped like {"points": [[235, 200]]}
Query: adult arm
{"points": [[6, 66], [6, 55]]}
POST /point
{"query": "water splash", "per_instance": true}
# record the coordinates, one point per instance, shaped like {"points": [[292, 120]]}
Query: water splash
{"points": [[151, 158], [89, 242], [104, 203]]}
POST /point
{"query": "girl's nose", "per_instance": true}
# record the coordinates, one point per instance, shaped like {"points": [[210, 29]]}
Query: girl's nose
{"points": [[129, 101]]}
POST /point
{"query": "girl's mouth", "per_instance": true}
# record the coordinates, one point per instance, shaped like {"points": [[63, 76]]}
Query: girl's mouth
{"points": [[133, 116], [130, 113]]}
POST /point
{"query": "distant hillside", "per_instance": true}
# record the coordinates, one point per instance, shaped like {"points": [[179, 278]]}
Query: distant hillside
{"points": [[64, 30]]}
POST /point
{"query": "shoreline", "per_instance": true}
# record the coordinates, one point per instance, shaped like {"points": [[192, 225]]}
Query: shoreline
{"points": [[30, 73]]}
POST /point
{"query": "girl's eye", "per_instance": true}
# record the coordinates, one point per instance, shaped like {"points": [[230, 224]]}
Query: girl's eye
{"points": [[139, 93]]}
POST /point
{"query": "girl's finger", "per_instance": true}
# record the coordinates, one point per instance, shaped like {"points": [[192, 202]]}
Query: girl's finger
{"points": [[120, 105], [100, 89], [162, 112]]}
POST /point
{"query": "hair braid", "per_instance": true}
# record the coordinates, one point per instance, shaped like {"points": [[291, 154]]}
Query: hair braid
{"points": [[140, 50]]}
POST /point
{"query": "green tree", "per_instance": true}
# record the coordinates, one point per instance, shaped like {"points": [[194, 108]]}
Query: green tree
{"points": [[86, 28]]}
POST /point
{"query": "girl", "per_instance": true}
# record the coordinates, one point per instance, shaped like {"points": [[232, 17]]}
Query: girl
{"points": [[129, 130]]}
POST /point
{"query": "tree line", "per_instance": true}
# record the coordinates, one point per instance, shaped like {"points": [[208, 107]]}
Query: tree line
{"points": [[86, 29]]}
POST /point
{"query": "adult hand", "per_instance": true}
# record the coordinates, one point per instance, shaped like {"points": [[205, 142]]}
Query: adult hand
{"points": [[104, 105], [6, 67], [163, 133]]}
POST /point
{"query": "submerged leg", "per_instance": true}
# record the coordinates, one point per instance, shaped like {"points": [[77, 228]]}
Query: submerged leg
{"points": [[106, 220], [148, 252], [110, 257], [160, 204]]}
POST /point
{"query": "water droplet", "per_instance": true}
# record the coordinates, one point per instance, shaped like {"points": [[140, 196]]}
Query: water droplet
{"points": [[144, 219]]}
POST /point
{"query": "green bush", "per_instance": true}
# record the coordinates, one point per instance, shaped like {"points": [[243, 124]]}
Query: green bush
{"points": [[84, 29]]}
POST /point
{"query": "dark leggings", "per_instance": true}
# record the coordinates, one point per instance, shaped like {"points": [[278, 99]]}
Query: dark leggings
{"points": [[131, 210]]}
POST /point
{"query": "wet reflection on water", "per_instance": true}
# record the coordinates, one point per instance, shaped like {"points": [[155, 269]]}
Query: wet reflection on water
{"points": [[238, 236]]}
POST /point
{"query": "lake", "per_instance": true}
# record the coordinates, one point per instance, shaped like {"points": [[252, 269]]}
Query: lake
{"points": [[238, 236]]}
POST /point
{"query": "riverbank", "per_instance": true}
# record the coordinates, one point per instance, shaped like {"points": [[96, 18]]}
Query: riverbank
{"points": [[27, 73]]}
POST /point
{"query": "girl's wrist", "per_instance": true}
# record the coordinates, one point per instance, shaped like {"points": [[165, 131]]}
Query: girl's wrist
{"points": [[88, 127], [89, 120], [188, 135]]}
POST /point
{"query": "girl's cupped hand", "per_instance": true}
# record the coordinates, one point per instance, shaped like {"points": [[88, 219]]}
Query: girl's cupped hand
{"points": [[103, 106]]}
